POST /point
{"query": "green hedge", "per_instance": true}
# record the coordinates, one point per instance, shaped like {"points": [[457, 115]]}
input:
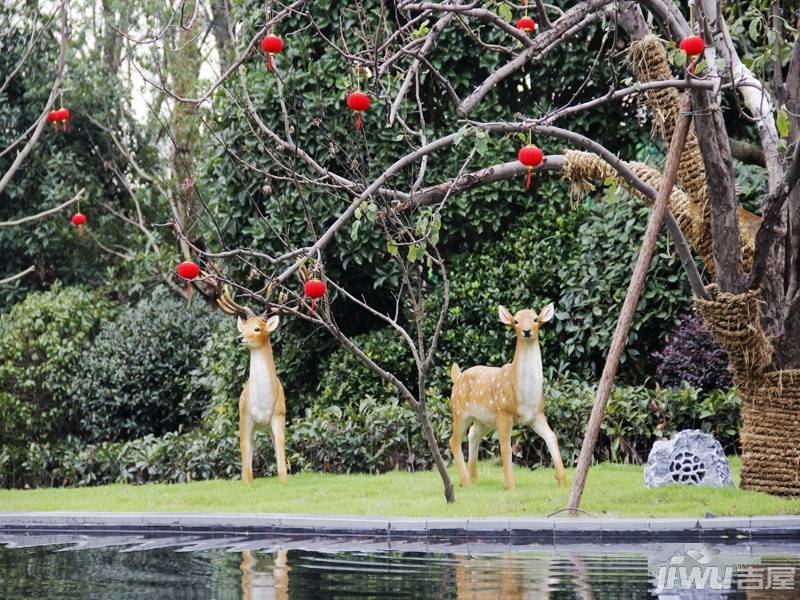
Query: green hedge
{"points": [[136, 377], [371, 436], [42, 340]]}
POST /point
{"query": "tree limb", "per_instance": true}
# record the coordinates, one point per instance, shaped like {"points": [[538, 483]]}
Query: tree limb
{"points": [[44, 213], [37, 132]]}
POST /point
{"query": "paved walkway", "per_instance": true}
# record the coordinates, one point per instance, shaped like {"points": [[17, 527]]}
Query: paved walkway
{"points": [[552, 530]]}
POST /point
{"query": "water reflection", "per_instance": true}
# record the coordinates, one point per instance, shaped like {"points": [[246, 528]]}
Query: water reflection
{"points": [[257, 568], [265, 578]]}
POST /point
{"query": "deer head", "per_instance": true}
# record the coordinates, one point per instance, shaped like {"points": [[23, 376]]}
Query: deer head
{"points": [[526, 323], [254, 330]]}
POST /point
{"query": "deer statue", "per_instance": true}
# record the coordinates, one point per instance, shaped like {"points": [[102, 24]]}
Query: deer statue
{"points": [[262, 403], [488, 398]]}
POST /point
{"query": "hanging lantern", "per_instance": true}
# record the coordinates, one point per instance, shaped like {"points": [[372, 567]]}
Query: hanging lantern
{"points": [[188, 270], [79, 220], [52, 117], [62, 116], [314, 289], [526, 24], [358, 102], [693, 45], [531, 157], [272, 45]]}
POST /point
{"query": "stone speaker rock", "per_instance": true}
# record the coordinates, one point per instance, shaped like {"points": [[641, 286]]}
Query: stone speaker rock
{"points": [[690, 457]]}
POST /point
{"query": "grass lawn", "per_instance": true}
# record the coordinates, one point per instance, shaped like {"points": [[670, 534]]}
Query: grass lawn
{"points": [[615, 490]]}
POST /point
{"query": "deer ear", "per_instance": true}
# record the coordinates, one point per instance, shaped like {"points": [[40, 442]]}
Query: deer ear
{"points": [[240, 324], [547, 313], [505, 316], [272, 323]]}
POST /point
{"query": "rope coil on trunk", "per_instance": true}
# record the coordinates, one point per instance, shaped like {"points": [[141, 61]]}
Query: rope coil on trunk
{"points": [[649, 61], [734, 320], [581, 169], [770, 433]]}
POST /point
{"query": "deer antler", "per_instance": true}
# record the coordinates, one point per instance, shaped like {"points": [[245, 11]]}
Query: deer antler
{"points": [[229, 306]]}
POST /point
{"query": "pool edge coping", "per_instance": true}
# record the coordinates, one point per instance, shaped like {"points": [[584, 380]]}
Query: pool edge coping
{"points": [[557, 529]]}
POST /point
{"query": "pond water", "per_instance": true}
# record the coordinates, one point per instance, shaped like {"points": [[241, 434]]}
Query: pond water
{"points": [[46, 565]]}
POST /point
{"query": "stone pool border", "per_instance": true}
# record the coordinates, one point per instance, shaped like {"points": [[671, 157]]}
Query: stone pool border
{"points": [[514, 530]]}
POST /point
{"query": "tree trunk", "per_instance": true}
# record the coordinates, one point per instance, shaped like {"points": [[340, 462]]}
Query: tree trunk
{"points": [[433, 446]]}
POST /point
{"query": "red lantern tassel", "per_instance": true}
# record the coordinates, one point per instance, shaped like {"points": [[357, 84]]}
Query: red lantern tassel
{"points": [[313, 307], [358, 120], [269, 62], [528, 179]]}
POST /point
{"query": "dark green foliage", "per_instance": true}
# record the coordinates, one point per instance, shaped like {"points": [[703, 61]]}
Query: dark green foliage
{"points": [[137, 372], [594, 278], [316, 82], [42, 340], [61, 164]]}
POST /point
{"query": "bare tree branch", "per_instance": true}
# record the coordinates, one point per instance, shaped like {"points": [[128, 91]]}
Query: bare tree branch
{"points": [[19, 275], [44, 213], [42, 121]]}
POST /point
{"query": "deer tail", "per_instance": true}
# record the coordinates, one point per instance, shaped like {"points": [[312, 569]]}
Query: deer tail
{"points": [[455, 372]]}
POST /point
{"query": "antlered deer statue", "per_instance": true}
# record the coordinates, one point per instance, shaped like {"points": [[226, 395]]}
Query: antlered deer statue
{"points": [[489, 398], [262, 403]]}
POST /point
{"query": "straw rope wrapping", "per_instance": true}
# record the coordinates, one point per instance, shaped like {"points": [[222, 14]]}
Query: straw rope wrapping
{"points": [[770, 434], [583, 169], [770, 399]]}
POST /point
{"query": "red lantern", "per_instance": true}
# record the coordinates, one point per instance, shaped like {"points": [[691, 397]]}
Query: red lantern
{"points": [[314, 289], [358, 101], [531, 157], [188, 270], [272, 45], [526, 24], [61, 115], [79, 220], [692, 45]]}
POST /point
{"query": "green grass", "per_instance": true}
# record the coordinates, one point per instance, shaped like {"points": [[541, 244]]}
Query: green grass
{"points": [[615, 490]]}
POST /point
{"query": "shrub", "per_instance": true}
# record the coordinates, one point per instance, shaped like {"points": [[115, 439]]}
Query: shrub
{"points": [[592, 282], [41, 348], [372, 436], [136, 374], [692, 356]]}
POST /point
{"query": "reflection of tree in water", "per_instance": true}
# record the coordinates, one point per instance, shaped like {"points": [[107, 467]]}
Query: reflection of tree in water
{"points": [[265, 577]]}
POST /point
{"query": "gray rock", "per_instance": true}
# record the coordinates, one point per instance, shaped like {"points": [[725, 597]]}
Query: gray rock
{"points": [[690, 457]]}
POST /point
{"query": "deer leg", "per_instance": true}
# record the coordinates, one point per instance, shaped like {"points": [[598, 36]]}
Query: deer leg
{"points": [[459, 429], [246, 446], [542, 428], [505, 423], [476, 433], [278, 423]]}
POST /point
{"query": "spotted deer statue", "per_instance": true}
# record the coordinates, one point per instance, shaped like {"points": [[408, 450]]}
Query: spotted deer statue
{"points": [[488, 398], [262, 403]]}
